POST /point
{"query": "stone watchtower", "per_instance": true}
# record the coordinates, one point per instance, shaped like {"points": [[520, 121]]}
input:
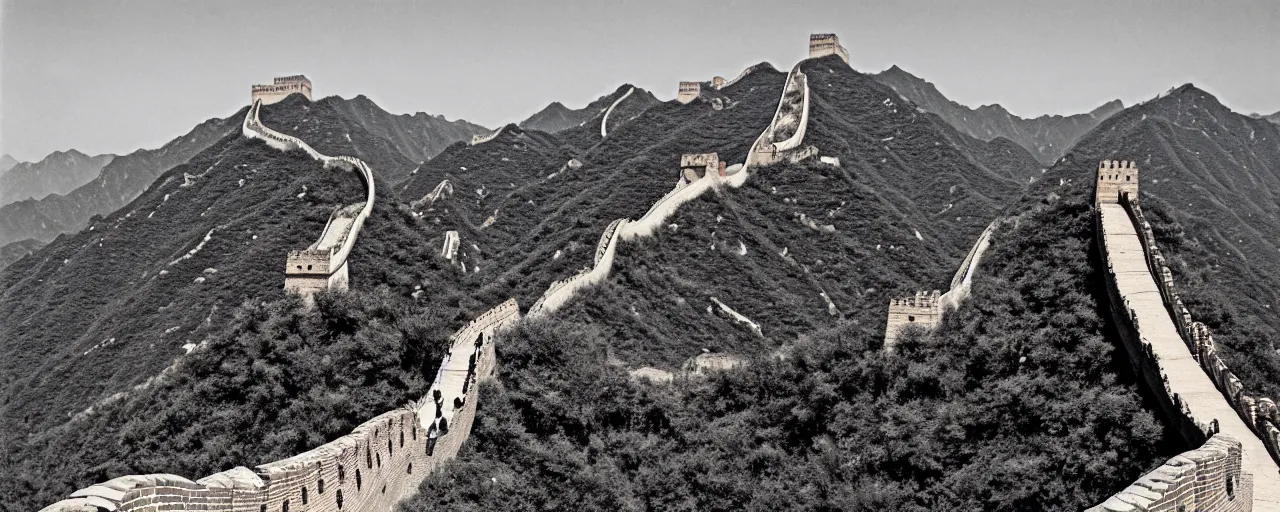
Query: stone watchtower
{"points": [[821, 45], [281, 88], [924, 309], [1116, 178], [689, 91], [693, 166]]}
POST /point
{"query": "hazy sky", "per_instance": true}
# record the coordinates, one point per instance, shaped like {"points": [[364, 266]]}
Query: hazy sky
{"points": [[118, 75]]}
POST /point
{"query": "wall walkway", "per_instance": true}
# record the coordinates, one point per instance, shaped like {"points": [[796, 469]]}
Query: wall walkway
{"points": [[1155, 343]]}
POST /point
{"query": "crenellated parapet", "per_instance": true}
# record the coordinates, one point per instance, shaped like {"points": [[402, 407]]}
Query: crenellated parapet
{"points": [[821, 45], [281, 88], [380, 463], [1174, 355], [1116, 178], [322, 266]]}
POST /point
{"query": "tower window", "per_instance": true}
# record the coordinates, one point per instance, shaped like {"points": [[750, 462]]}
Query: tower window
{"points": [[911, 318]]}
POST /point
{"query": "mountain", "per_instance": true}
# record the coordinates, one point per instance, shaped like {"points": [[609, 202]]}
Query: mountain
{"points": [[58, 173], [119, 182], [417, 137], [411, 138], [1046, 137], [7, 162], [556, 117], [17, 250]]}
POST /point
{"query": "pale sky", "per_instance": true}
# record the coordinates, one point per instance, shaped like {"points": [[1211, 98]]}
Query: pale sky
{"points": [[118, 75]]}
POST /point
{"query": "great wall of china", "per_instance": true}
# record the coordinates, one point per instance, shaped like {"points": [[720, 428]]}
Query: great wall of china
{"points": [[323, 265], [604, 123], [383, 461], [1234, 468]]}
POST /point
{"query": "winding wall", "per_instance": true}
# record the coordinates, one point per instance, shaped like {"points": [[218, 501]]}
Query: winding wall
{"points": [[322, 265], [561, 291], [373, 468], [604, 123], [1176, 357]]}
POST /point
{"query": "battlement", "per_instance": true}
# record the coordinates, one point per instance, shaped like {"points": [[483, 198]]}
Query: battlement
{"points": [[280, 88], [689, 91], [821, 45], [1116, 178], [924, 309]]}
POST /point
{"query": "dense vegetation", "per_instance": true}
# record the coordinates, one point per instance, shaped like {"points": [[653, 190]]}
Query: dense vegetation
{"points": [[1014, 404], [280, 379]]}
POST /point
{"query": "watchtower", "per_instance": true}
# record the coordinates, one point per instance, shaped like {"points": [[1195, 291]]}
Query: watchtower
{"points": [[718, 82], [821, 45], [924, 309], [689, 91], [314, 270], [694, 166], [1116, 178], [280, 88]]}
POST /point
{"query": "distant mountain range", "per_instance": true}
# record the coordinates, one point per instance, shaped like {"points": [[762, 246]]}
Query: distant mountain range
{"points": [[59, 173], [413, 137], [1046, 137]]}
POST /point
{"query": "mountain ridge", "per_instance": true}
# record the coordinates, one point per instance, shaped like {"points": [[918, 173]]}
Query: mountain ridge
{"points": [[1047, 137], [57, 173]]}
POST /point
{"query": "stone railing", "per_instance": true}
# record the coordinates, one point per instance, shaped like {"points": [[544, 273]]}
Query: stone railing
{"points": [[1260, 413], [1206, 479], [339, 235], [604, 123], [373, 468]]}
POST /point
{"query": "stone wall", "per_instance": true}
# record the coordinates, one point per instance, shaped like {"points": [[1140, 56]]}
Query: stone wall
{"points": [[787, 129], [304, 269], [373, 468], [1196, 390], [451, 242], [604, 123], [1115, 179], [1206, 479], [481, 139], [280, 88], [561, 291]]}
